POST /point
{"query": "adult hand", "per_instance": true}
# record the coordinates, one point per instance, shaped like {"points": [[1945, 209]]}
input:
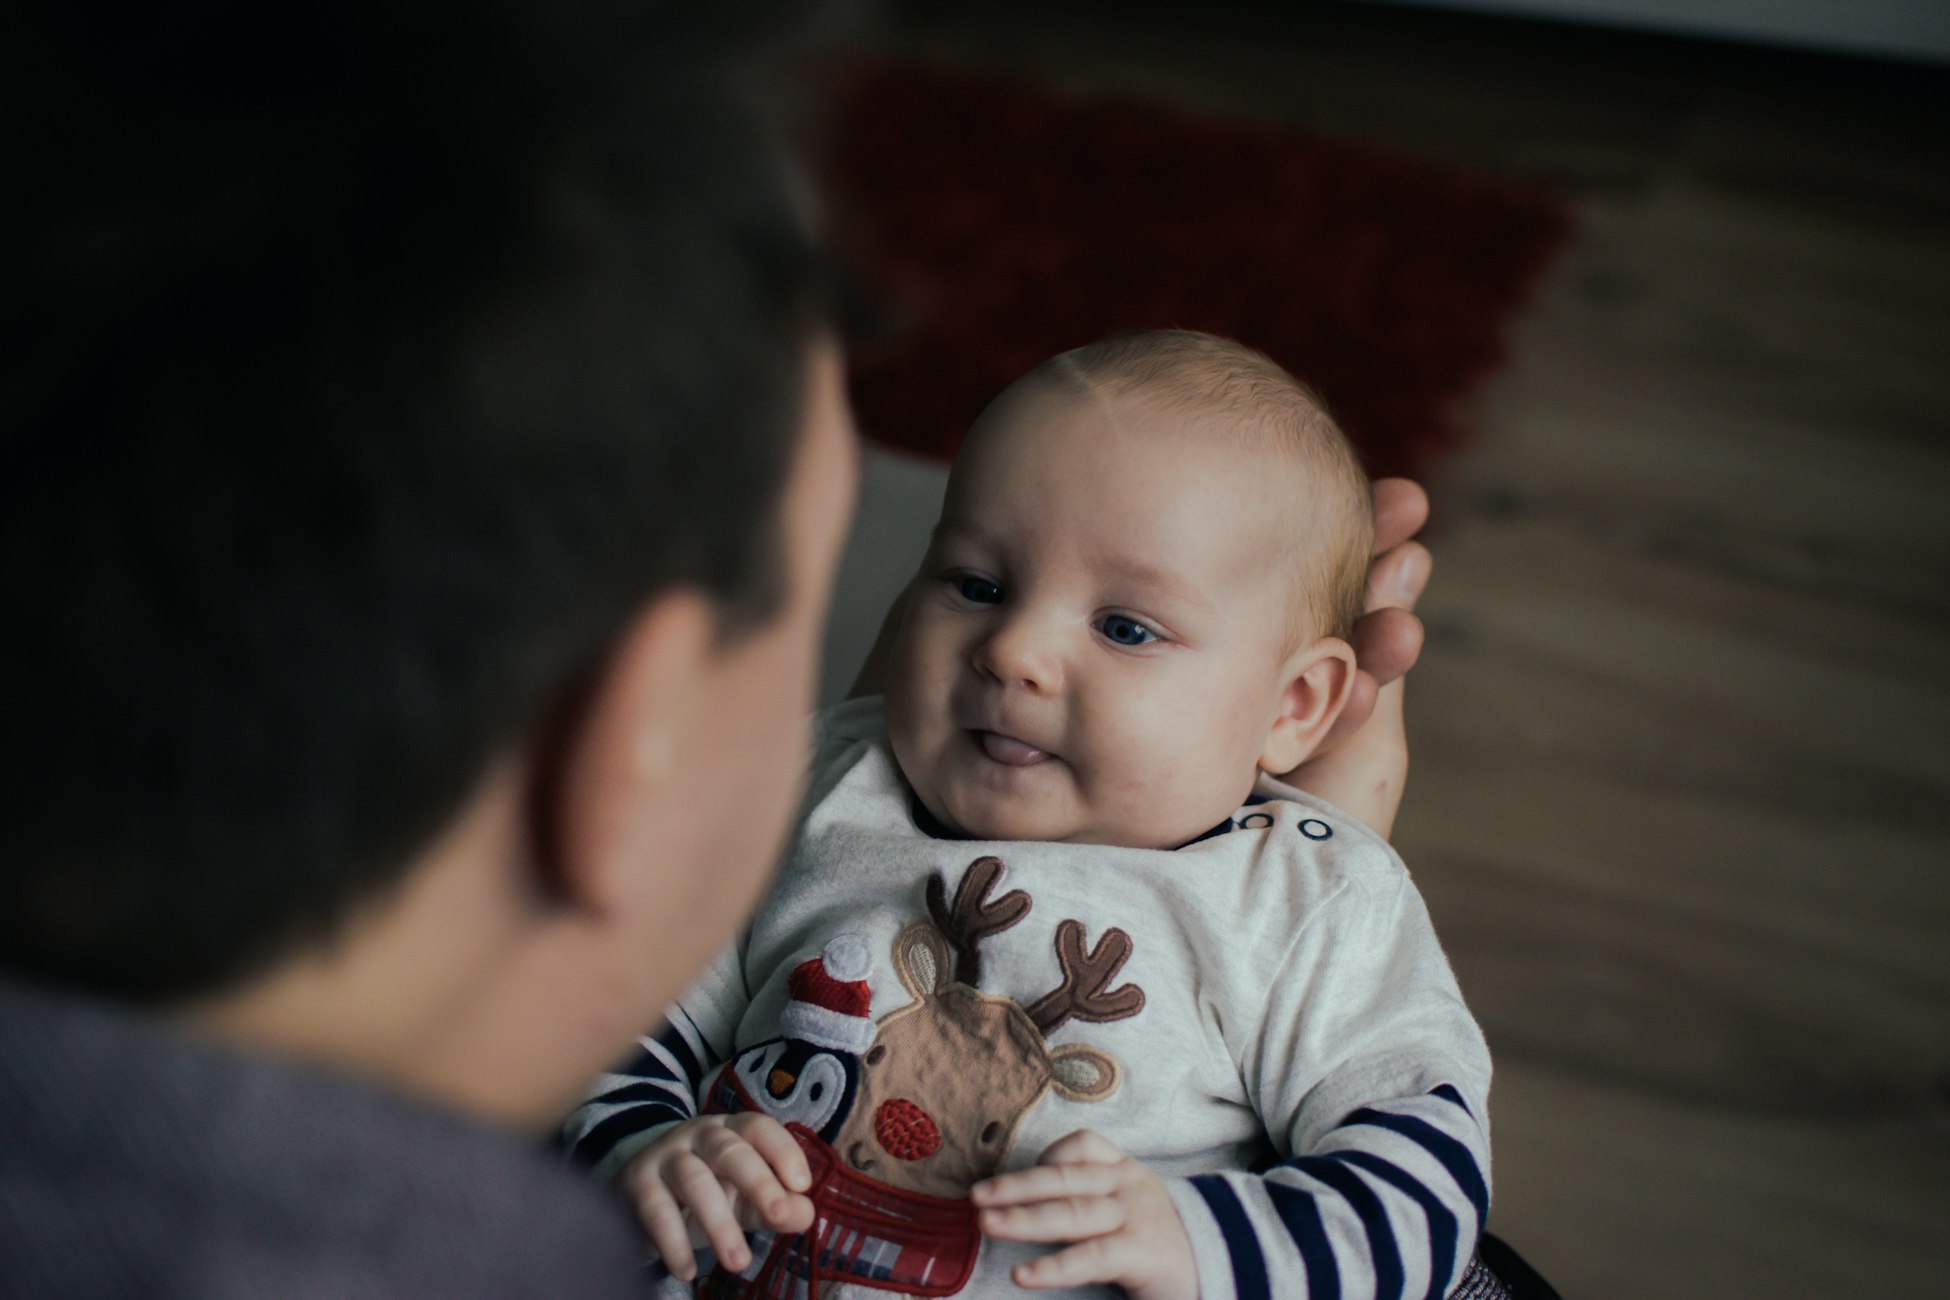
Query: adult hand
{"points": [[1388, 638], [1362, 765]]}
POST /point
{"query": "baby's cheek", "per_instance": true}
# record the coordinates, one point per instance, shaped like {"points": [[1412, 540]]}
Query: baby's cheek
{"points": [[916, 695], [1146, 764], [1199, 761]]}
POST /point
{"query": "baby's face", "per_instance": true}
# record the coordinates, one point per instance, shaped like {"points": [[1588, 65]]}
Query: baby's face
{"points": [[1093, 648]]}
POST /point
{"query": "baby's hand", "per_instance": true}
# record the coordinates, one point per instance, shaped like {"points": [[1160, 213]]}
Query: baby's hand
{"points": [[1085, 1190], [719, 1169]]}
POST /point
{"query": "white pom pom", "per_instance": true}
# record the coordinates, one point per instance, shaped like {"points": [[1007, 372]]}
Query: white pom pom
{"points": [[846, 958]]}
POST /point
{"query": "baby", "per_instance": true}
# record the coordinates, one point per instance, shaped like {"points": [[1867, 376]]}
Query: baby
{"points": [[1053, 960]]}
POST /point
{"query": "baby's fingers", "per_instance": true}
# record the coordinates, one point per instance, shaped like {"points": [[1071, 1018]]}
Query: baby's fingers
{"points": [[741, 1167], [1084, 1146], [1071, 1218], [780, 1149], [1046, 1183], [696, 1187], [663, 1222], [1098, 1260]]}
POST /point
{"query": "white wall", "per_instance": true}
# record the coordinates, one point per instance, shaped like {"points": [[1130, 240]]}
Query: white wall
{"points": [[1909, 29]]}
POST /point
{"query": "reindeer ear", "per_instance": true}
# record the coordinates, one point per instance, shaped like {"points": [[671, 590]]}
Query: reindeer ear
{"points": [[921, 960], [1083, 1073]]}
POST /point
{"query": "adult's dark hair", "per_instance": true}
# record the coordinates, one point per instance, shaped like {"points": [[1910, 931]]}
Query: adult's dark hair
{"points": [[366, 372]]}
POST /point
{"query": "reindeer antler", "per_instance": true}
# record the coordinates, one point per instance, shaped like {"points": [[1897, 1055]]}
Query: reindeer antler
{"points": [[1081, 995], [973, 918]]}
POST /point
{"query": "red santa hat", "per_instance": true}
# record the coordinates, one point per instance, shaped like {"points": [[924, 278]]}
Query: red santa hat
{"points": [[831, 1005]]}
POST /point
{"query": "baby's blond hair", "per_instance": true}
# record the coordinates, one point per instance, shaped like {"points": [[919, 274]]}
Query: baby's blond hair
{"points": [[1333, 529]]}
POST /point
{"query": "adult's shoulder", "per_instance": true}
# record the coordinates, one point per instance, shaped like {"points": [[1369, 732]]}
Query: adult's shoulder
{"points": [[139, 1159]]}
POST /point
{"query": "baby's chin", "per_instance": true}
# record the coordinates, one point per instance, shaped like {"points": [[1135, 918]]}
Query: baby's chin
{"points": [[990, 820]]}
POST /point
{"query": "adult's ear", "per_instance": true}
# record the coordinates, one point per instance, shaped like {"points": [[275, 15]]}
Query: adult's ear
{"points": [[602, 766], [1318, 681]]}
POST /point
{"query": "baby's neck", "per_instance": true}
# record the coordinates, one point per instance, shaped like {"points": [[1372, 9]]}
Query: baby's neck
{"points": [[937, 828]]}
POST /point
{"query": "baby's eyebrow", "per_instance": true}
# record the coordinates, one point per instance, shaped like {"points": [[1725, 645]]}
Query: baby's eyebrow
{"points": [[1151, 579], [1138, 575], [952, 526]]}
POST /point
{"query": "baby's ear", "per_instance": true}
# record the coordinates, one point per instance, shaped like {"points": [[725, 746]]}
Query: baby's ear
{"points": [[1319, 678]]}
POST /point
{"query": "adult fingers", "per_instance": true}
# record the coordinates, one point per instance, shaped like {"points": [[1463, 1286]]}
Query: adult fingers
{"points": [[696, 1187], [1070, 1218], [1401, 507], [1387, 643], [1359, 707], [1397, 577]]}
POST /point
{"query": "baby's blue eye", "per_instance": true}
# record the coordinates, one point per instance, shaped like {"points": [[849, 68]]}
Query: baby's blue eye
{"points": [[1126, 631], [979, 590]]}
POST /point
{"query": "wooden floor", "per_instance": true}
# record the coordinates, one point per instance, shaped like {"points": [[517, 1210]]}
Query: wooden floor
{"points": [[1681, 737]]}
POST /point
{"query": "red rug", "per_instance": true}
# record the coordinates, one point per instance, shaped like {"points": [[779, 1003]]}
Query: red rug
{"points": [[1005, 223]]}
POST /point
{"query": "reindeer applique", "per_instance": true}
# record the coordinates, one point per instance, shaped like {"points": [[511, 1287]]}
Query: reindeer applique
{"points": [[951, 1075], [942, 1089]]}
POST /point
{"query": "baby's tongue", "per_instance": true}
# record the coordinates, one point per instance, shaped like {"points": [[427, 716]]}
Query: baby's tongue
{"points": [[1007, 749]]}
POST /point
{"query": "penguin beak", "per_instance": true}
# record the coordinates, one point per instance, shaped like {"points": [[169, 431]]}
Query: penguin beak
{"points": [[780, 1082]]}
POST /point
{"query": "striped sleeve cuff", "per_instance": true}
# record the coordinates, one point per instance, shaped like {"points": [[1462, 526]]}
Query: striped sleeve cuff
{"points": [[625, 1149], [1389, 1204], [1209, 1250], [630, 1108]]}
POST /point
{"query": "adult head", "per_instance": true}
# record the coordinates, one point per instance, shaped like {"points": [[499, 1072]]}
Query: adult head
{"points": [[431, 462]]}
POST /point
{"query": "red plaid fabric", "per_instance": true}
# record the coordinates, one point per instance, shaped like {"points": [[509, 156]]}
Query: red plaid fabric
{"points": [[864, 1232]]}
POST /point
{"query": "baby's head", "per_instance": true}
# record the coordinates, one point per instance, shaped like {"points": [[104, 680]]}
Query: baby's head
{"points": [[1137, 597]]}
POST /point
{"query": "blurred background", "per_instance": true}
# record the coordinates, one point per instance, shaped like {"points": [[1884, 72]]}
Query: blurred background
{"points": [[1657, 303]]}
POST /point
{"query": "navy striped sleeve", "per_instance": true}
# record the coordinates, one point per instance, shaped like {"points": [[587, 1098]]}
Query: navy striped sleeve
{"points": [[1441, 1223], [1383, 1252], [1301, 1218], [1387, 1206], [656, 1087], [1248, 1263], [1457, 1158]]}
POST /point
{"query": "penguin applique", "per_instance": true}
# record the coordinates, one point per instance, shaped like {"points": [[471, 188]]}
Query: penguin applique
{"points": [[810, 1074]]}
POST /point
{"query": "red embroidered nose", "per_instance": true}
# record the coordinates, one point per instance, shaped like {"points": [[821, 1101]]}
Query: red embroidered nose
{"points": [[904, 1130]]}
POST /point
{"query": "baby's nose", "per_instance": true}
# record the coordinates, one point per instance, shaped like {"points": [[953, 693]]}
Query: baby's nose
{"points": [[1021, 651]]}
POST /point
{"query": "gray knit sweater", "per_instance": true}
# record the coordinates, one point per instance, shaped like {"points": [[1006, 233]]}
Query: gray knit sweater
{"points": [[137, 1161]]}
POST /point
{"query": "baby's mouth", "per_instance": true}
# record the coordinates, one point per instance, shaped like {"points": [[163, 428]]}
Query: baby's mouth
{"points": [[1009, 751]]}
